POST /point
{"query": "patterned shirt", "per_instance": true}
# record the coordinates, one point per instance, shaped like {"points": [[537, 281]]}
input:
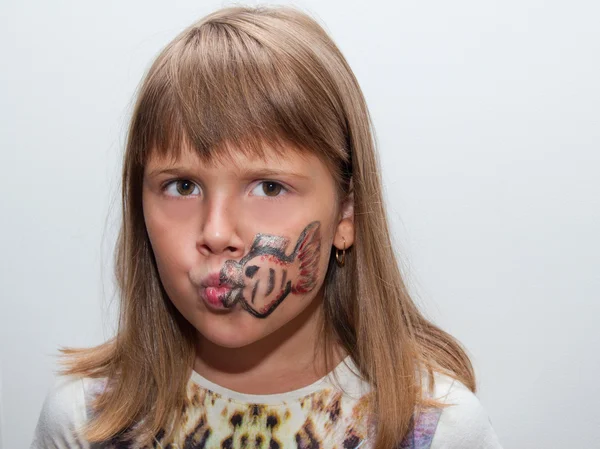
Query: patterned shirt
{"points": [[330, 413]]}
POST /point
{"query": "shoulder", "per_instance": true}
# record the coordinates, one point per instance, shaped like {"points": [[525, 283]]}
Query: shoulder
{"points": [[463, 423], [64, 413]]}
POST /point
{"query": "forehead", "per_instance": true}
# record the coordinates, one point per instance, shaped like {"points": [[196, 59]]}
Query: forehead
{"points": [[238, 158]]}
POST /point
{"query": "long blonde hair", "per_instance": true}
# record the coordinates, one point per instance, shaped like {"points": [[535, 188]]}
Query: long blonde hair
{"points": [[253, 75]]}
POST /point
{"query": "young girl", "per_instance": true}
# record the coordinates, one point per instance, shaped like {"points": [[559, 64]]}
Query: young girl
{"points": [[261, 303]]}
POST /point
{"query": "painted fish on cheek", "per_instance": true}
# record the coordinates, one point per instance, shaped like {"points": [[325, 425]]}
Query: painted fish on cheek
{"points": [[265, 276]]}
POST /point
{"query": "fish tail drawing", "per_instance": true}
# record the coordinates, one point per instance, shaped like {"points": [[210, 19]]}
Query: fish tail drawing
{"points": [[307, 252]]}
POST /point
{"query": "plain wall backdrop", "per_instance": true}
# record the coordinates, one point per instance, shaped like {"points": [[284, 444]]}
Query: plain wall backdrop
{"points": [[487, 116]]}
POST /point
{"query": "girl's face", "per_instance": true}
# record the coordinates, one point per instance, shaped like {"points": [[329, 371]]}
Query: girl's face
{"points": [[242, 244]]}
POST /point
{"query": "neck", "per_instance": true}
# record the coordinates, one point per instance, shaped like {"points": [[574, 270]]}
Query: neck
{"points": [[287, 359]]}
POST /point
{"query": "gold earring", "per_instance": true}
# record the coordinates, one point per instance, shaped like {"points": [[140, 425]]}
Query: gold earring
{"points": [[341, 260]]}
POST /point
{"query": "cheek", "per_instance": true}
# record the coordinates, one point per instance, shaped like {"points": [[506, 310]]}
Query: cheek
{"points": [[172, 242], [325, 255], [277, 217], [323, 263]]}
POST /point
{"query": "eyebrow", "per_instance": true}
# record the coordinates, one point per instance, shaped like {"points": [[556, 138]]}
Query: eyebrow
{"points": [[245, 173], [167, 171], [268, 172]]}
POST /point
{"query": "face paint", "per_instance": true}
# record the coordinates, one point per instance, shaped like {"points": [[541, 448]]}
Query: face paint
{"points": [[265, 276]]}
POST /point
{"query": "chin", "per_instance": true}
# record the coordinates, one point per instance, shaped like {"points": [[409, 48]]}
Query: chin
{"points": [[228, 341], [231, 334]]}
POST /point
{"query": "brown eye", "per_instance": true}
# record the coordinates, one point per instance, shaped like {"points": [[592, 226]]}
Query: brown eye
{"points": [[271, 188], [185, 187]]}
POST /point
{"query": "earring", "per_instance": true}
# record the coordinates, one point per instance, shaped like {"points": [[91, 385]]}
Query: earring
{"points": [[341, 260]]}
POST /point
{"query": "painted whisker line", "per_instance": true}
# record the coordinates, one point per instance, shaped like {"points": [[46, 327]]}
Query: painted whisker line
{"points": [[254, 291], [271, 284], [268, 310], [283, 278]]}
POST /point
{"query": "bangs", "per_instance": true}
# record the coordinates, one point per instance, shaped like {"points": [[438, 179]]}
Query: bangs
{"points": [[235, 85]]}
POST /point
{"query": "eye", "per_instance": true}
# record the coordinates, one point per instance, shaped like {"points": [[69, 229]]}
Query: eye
{"points": [[251, 271], [268, 188], [182, 187]]}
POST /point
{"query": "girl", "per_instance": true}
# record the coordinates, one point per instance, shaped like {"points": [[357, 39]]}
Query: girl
{"points": [[262, 306]]}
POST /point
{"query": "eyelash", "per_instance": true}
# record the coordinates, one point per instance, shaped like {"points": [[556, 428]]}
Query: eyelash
{"points": [[284, 189], [166, 185]]}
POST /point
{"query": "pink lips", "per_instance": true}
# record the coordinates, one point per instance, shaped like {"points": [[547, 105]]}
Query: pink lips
{"points": [[212, 280], [213, 291], [214, 294]]}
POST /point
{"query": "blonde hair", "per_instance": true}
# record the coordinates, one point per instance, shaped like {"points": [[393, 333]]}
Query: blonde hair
{"points": [[250, 75]]}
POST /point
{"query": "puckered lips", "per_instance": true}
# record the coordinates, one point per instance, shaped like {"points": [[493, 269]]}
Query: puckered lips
{"points": [[219, 292]]}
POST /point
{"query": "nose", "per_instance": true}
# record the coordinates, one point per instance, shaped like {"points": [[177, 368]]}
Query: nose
{"points": [[218, 234]]}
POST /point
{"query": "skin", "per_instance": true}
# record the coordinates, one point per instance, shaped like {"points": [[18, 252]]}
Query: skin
{"points": [[199, 215]]}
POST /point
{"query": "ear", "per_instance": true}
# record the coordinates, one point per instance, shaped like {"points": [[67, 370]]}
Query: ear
{"points": [[344, 233]]}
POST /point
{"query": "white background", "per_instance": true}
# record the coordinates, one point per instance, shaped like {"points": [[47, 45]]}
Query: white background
{"points": [[487, 115]]}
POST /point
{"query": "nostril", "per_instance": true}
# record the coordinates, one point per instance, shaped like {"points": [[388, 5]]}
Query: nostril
{"points": [[204, 249], [212, 248], [233, 252]]}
